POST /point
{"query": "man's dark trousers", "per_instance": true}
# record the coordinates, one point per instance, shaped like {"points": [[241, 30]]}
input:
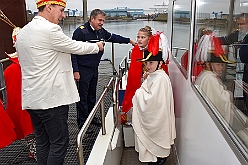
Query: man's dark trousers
{"points": [[87, 92], [51, 133]]}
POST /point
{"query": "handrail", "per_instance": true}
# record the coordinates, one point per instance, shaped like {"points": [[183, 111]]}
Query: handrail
{"points": [[82, 131], [3, 60], [121, 69], [2, 82], [178, 48], [115, 100]]}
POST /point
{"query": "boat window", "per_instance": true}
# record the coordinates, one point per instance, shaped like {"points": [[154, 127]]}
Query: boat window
{"points": [[218, 70], [181, 31]]}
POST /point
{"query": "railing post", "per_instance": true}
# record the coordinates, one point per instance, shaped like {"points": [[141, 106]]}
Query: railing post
{"points": [[176, 52], [80, 155], [113, 57], [2, 83], [126, 65], [115, 100], [120, 76], [103, 118]]}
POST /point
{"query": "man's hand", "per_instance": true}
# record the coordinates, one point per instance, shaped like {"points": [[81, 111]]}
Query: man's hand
{"points": [[133, 42], [76, 76], [100, 45]]}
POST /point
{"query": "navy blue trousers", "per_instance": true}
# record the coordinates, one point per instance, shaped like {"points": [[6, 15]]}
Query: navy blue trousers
{"points": [[87, 92], [51, 133]]}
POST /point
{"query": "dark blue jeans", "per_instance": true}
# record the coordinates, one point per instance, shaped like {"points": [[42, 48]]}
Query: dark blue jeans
{"points": [[87, 92], [51, 133]]}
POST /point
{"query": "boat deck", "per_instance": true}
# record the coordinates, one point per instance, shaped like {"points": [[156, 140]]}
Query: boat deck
{"points": [[17, 152]]}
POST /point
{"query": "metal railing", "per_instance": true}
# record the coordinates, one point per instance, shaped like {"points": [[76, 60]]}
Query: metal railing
{"points": [[122, 69], [100, 103], [177, 49], [115, 100], [2, 82]]}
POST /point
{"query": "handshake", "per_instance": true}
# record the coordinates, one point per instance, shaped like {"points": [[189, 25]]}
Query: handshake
{"points": [[100, 44]]}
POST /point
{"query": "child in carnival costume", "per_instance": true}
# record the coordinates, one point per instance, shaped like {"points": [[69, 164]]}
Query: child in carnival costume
{"points": [[156, 40], [153, 117]]}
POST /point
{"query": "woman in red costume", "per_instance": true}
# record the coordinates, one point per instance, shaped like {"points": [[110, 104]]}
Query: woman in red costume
{"points": [[147, 39], [135, 69], [20, 118]]}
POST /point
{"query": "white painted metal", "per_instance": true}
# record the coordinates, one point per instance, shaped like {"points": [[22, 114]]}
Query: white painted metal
{"points": [[200, 140], [107, 149]]}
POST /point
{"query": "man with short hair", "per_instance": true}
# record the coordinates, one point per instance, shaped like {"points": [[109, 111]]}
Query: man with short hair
{"points": [[85, 68], [243, 52], [238, 35], [48, 86], [239, 39]]}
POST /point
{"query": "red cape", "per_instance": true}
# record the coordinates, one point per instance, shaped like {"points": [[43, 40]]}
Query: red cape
{"points": [[7, 132], [133, 79], [20, 118]]}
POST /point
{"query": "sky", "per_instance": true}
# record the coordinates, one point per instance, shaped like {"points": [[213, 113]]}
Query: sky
{"points": [[104, 4]]}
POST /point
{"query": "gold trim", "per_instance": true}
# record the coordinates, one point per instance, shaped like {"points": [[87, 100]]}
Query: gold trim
{"points": [[149, 55], [39, 4], [223, 58]]}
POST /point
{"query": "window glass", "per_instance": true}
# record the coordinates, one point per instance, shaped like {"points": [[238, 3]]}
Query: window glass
{"points": [[181, 32], [219, 63]]}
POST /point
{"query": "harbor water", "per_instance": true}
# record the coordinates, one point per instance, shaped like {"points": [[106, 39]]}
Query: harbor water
{"points": [[124, 28]]}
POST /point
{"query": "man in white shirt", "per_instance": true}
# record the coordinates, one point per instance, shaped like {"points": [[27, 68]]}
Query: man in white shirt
{"points": [[48, 86]]}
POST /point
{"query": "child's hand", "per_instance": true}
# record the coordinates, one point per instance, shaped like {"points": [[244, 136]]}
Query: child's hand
{"points": [[145, 75]]}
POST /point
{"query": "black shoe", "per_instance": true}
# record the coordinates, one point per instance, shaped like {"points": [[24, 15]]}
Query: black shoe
{"points": [[89, 131], [161, 161], [96, 121]]}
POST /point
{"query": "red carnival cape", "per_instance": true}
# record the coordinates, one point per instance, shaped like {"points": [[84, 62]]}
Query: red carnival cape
{"points": [[7, 132], [20, 118], [133, 79]]}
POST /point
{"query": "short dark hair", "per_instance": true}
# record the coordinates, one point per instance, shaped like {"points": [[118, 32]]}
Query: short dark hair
{"points": [[95, 12], [40, 9], [243, 16]]}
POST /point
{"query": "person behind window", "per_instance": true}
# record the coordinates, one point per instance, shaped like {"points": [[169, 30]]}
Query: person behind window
{"points": [[210, 83], [243, 53], [238, 34], [153, 116]]}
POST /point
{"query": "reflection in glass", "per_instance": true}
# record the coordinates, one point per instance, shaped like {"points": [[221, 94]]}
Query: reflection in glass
{"points": [[221, 84], [181, 32]]}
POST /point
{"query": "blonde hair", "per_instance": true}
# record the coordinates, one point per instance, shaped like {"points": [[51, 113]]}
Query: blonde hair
{"points": [[146, 29]]}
